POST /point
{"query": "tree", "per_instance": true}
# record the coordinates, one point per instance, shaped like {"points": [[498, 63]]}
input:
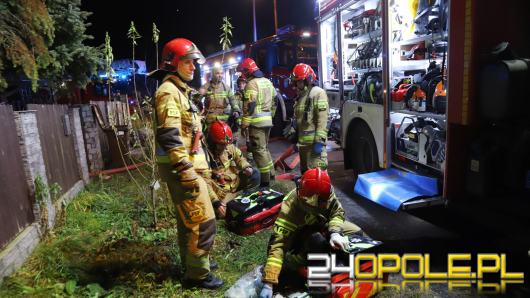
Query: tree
{"points": [[45, 38], [26, 32], [72, 59]]}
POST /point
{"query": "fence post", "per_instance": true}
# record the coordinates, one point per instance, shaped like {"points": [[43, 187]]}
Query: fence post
{"points": [[79, 143], [91, 138], [30, 147]]}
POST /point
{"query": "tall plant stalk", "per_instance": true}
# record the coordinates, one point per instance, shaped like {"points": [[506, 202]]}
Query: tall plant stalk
{"points": [[225, 36], [109, 57], [133, 35], [156, 37]]}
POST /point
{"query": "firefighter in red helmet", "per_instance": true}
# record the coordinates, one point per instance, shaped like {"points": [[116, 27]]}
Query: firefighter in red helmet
{"points": [[310, 214], [311, 112], [259, 106], [231, 171], [180, 164]]}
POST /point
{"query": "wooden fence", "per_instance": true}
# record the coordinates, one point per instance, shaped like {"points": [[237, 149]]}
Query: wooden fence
{"points": [[110, 114], [57, 142], [16, 211]]}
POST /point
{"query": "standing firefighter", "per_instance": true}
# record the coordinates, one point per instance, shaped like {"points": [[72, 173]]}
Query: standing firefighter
{"points": [[241, 84], [259, 104], [311, 220], [231, 171], [311, 112], [219, 100], [180, 157], [238, 98]]}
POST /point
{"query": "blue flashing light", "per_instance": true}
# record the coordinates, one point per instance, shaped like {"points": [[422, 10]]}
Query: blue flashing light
{"points": [[238, 58], [123, 77]]}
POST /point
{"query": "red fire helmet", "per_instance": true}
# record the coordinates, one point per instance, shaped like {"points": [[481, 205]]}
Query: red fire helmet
{"points": [[303, 71], [315, 182], [220, 133], [248, 66], [179, 49]]}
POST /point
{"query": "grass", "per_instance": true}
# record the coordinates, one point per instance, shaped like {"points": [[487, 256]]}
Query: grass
{"points": [[106, 244]]}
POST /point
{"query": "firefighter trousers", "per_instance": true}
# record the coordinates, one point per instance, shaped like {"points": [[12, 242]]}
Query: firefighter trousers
{"points": [[259, 141], [245, 183], [310, 160], [196, 225], [313, 241]]}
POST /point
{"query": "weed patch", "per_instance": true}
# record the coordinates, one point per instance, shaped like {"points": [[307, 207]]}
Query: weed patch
{"points": [[107, 244]]}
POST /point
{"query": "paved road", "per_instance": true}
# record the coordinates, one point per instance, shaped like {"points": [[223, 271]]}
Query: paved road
{"points": [[436, 230]]}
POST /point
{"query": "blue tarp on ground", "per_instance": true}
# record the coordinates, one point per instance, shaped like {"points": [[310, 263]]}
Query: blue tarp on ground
{"points": [[393, 187]]}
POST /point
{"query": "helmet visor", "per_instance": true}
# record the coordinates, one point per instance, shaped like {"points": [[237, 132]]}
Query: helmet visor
{"points": [[197, 56]]}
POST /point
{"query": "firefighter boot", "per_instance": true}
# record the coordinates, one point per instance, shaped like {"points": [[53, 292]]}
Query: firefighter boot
{"points": [[210, 282]]}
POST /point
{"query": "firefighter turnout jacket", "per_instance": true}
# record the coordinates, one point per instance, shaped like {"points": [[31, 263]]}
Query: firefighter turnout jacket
{"points": [[292, 218], [259, 103], [219, 102], [228, 166], [311, 112], [178, 123]]}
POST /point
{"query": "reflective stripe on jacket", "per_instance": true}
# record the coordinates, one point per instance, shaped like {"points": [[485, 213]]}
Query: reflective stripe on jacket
{"points": [[291, 219], [259, 94], [311, 112], [177, 121]]}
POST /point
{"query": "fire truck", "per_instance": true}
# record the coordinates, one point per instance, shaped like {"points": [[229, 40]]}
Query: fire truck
{"points": [[276, 56], [428, 111]]}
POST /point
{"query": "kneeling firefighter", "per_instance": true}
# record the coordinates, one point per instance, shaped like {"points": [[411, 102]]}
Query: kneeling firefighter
{"points": [[231, 172], [311, 220], [178, 128]]}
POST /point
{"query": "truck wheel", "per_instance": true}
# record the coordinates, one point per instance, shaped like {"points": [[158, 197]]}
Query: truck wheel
{"points": [[363, 150], [279, 119]]}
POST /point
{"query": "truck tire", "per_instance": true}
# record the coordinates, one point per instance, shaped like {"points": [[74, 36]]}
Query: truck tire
{"points": [[280, 119], [363, 150]]}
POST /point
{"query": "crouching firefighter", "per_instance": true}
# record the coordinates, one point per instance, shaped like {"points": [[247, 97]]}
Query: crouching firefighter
{"points": [[177, 129], [231, 172], [311, 220], [311, 112]]}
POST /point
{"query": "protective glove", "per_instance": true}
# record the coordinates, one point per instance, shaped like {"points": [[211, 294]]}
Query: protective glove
{"points": [[290, 133], [337, 241], [248, 171], [266, 291], [219, 209], [318, 147], [190, 183], [244, 131]]}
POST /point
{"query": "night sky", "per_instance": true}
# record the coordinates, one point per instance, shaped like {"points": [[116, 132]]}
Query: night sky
{"points": [[197, 20]]}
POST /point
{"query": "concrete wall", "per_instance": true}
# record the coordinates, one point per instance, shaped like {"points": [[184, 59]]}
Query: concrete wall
{"points": [[79, 143], [91, 139], [31, 150], [17, 251]]}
